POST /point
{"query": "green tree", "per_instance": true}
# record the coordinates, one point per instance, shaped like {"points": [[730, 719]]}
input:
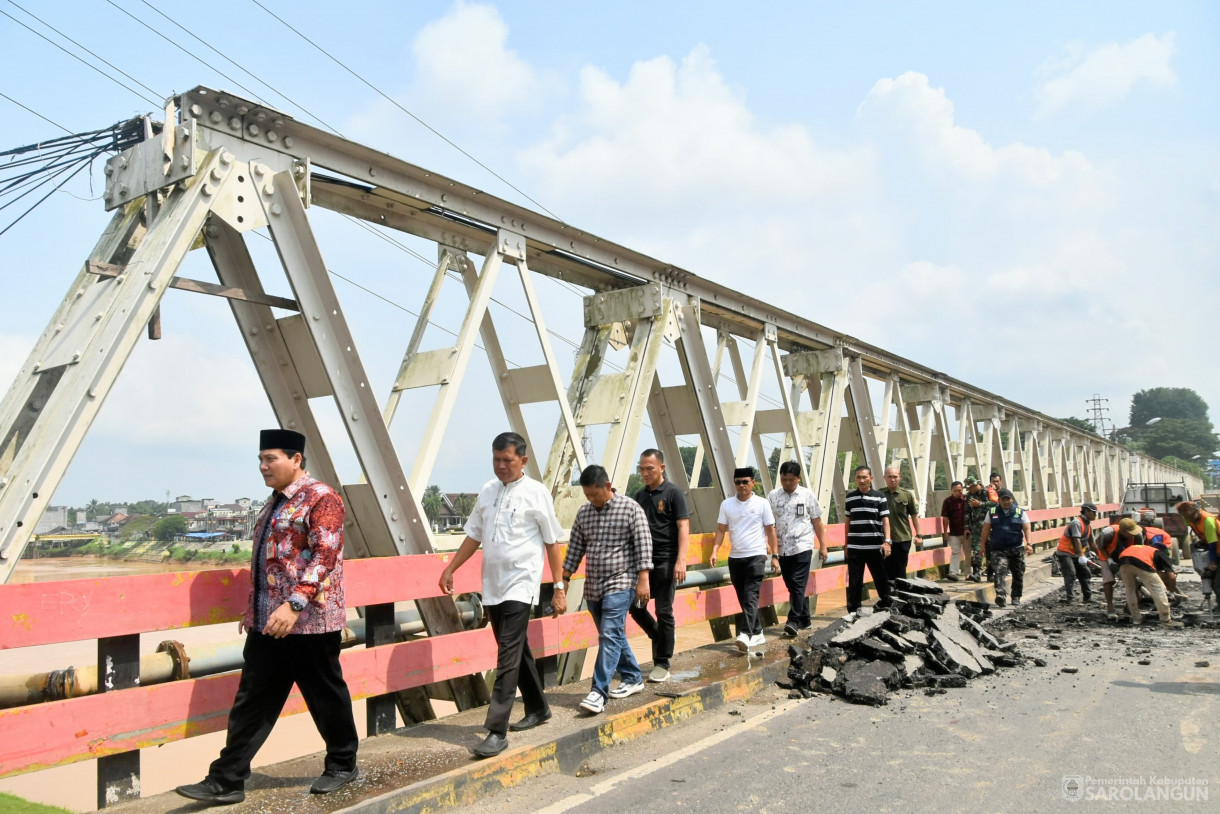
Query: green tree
{"points": [[433, 502], [463, 504], [167, 528], [1080, 424], [688, 462], [1180, 437], [634, 484], [1190, 466], [1167, 402]]}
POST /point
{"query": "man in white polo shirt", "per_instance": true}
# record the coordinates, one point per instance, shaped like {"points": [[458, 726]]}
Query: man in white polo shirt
{"points": [[514, 520], [751, 527]]}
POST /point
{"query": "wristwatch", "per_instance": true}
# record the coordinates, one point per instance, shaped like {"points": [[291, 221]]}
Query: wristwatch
{"points": [[559, 586], [297, 603]]}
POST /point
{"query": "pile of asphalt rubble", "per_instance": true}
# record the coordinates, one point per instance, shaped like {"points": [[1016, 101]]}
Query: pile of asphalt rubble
{"points": [[924, 639]]}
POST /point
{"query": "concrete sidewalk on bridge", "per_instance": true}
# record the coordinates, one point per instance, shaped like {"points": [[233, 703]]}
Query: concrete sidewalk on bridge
{"points": [[429, 766]]}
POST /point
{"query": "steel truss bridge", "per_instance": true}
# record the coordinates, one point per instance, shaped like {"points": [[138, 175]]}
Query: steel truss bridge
{"points": [[229, 166], [220, 167]]}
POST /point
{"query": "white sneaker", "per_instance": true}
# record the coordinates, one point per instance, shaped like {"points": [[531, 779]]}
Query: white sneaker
{"points": [[743, 642], [851, 617], [758, 641], [624, 689], [593, 703]]}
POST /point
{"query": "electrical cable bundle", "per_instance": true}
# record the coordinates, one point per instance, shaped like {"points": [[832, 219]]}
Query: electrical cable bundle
{"points": [[27, 171]]}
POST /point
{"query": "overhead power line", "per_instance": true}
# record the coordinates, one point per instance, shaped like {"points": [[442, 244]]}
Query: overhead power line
{"points": [[154, 100], [396, 104]]}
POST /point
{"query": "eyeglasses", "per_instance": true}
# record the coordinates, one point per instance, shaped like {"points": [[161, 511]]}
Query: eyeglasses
{"points": [[742, 481]]}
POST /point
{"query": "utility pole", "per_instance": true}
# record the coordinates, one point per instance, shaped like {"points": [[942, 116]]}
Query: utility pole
{"points": [[1099, 415]]}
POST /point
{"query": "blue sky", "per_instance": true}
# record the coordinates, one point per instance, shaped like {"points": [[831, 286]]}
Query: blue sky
{"points": [[1022, 195]]}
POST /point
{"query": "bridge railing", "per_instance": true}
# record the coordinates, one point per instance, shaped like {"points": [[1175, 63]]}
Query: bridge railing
{"points": [[56, 733]]}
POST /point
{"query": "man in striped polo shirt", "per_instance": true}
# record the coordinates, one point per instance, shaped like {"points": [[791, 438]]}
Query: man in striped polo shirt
{"points": [[868, 540]]}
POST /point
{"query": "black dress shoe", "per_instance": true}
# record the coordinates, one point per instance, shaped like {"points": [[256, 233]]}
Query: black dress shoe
{"points": [[530, 721], [492, 745], [210, 790], [333, 779]]}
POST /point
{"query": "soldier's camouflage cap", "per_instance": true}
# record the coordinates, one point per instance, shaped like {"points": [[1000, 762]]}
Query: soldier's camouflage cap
{"points": [[971, 481]]}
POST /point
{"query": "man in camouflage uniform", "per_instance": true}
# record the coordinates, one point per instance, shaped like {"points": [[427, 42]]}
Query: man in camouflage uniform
{"points": [[977, 506]]}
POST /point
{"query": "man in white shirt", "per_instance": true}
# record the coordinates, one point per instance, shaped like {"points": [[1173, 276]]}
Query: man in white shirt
{"points": [[798, 522], [751, 527], [514, 520]]}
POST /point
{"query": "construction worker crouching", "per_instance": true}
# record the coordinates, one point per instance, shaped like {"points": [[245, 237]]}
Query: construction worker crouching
{"points": [[1141, 564]]}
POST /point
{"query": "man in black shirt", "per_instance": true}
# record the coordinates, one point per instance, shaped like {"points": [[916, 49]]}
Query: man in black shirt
{"points": [[868, 540], [668, 519]]}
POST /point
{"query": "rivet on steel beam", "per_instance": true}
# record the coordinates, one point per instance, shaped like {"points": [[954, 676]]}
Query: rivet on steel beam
{"points": [[208, 190], [292, 424], [196, 110], [226, 158], [261, 115], [393, 515], [184, 162], [36, 367], [272, 136], [372, 170], [258, 169], [217, 174], [215, 117], [268, 189], [234, 123], [355, 416], [276, 209], [109, 169], [288, 141], [243, 110], [253, 129], [98, 317], [298, 170], [316, 318], [122, 189]]}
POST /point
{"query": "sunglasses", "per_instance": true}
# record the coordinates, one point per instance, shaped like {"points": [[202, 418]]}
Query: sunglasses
{"points": [[743, 481]]}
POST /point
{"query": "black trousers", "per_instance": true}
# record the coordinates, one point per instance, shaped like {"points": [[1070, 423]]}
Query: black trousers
{"points": [[515, 667], [896, 562], [795, 570], [272, 666], [857, 559], [661, 629], [1072, 571], [746, 574]]}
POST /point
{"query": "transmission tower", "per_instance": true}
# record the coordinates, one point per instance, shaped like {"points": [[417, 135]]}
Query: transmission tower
{"points": [[1099, 414]]}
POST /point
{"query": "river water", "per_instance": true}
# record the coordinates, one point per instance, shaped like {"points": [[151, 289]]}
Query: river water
{"points": [[164, 767]]}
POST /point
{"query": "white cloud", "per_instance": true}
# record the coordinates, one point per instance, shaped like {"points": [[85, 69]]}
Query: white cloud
{"points": [[463, 60], [1106, 75], [672, 161], [179, 391]]}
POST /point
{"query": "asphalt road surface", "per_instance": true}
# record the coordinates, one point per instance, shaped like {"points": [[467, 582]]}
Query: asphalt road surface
{"points": [[1116, 735]]}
